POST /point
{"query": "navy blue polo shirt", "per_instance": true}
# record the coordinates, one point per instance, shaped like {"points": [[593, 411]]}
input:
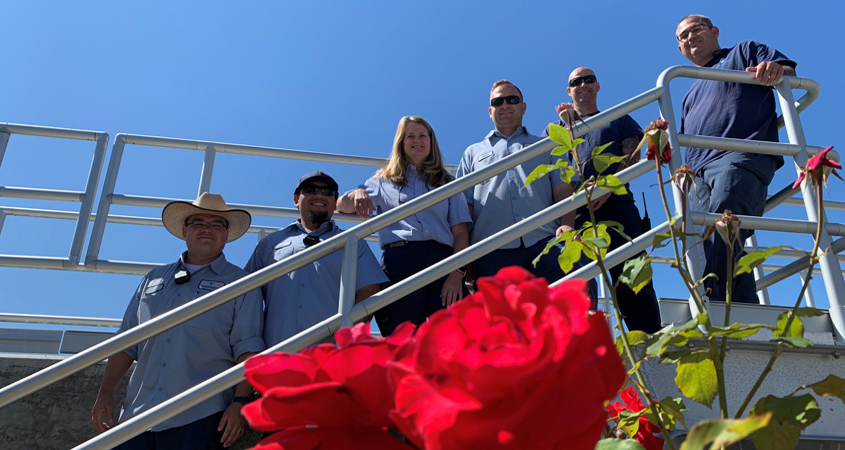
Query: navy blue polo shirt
{"points": [[734, 110]]}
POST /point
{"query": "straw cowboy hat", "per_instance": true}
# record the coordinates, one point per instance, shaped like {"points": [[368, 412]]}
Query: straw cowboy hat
{"points": [[174, 215]]}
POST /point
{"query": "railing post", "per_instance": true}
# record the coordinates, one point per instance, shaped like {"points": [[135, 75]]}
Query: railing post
{"points": [[105, 202], [87, 201], [207, 169], [348, 275], [829, 263], [762, 294]]}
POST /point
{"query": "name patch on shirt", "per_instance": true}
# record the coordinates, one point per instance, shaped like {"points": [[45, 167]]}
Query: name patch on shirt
{"points": [[485, 156], [154, 286], [210, 285], [282, 245]]}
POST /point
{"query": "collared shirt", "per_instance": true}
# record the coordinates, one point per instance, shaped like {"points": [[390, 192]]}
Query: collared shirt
{"points": [[734, 110], [433, 223], [308, 295], [188, 354], [502, 201]]}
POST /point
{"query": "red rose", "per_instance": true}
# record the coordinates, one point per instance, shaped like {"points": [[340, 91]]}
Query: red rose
{"points": [[657, 135], [646, 430], [339, 390], [516, 366]]}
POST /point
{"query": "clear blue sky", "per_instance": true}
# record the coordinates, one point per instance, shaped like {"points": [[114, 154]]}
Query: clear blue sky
{"points": [[326, 76]]}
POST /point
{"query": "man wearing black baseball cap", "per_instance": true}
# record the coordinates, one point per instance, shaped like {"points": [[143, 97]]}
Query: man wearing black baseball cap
{"points": [[309, 295]]}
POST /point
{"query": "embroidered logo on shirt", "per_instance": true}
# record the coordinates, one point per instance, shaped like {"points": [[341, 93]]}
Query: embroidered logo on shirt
{"points": [[154, 286], [210, 285], [485, 156], [282, 245]]}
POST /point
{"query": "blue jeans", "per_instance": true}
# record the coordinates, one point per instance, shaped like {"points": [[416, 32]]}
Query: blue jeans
{"points": [[737, 182], [200, 434], [548, 267]]}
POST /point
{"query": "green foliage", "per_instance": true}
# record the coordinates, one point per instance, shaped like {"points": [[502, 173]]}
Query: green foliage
{"points": [[635, 337], [797, 342], [612, 184], [560, 135], [618, 444], [616, 227], [796, 328], [790, 416], [832, 385], [748, 262], [543, 169], [675, 336], [661, 240], [629, 421], [723, 433], [636, 273], [597, 239], [737, 330], [696, 377], [671, 412]]}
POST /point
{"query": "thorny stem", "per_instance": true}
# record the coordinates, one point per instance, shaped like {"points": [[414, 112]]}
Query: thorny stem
{"points": [[720, 362], [791, 318]]}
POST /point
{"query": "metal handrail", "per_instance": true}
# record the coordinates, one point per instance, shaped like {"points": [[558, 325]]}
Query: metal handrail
{"points": [[85, 197]]}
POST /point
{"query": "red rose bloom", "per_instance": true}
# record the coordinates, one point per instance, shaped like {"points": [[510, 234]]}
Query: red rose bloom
{"points": [[819, 168], [657, 135], [646, 430], [518, 365]]}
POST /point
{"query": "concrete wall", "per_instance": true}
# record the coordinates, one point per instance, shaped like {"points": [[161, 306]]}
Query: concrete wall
{"points": [[58, 417]]}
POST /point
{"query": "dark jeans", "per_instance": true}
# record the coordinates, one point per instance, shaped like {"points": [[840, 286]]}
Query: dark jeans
{"points": [[640, 310], [200, 434], [740, 185], [547, 267], [402, 262]]}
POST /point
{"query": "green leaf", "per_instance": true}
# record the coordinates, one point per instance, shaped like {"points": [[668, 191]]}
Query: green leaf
{"points": [[672, 356], [634, 338], [665, 338], [629, 421], [612, 184], [671, 411], [560, 150], [617, 227], [790, 416], [542, 170], [696, 377], [737, 330], [661, 240], [796, 328], [570, 255], [602, 162], [723, 433], [600, 149], [748, 262], [560, 135], [809, 312], [567, 173], [598, 242], [794, 342], [618, 444], [832, 385], [636, 273]]}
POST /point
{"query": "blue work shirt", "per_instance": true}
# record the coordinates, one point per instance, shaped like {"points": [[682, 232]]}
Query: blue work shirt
{"points": [[431, 224], [188, 354], [501, 201], [734, 110], [309, 295]]}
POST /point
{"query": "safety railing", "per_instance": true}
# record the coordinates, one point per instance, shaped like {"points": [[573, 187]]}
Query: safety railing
{"points": [[348, 241], [85, 197]]}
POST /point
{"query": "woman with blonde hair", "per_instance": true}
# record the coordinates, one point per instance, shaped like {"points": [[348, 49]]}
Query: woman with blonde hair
{"points": [[423, 239]]}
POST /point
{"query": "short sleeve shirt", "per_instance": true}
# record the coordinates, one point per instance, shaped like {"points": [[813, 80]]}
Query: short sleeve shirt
{"points": [[309, 295], [188, 354], [734, 110], [431, 224], [502, 201]]}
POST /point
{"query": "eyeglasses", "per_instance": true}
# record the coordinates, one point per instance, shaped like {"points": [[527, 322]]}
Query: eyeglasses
{"points": [[313, 190], [695, 29], [215, 226], [588, 79], [511, 99]]}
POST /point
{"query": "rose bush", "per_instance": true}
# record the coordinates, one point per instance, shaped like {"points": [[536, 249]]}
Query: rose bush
{"points": [[518, 365], [646, 430]]}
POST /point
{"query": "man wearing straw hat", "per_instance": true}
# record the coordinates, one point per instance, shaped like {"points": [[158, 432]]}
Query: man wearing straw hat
{"points": [[201, 348]]}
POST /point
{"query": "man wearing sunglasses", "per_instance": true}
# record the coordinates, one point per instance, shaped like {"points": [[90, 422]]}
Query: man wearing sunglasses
{"points": [[736, 181], [502, 201], [184, 356], [623, 134], [309, 295]]}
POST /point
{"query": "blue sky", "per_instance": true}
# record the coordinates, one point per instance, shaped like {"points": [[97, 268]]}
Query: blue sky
{"points": [[330, 77]]}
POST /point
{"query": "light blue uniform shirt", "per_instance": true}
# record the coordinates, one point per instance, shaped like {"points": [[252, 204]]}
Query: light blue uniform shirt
{"points": [[190, 353], [500, 201], [431, 224], [310, 294]]}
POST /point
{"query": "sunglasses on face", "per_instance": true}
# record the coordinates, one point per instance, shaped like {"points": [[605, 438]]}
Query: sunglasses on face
{"points": [[313, 190], [511, 99], [588, 79]]}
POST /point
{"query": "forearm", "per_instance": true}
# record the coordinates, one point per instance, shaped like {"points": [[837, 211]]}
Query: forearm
{"points": [[116, 367], [244, 389], [345, 204], [366, 292]]}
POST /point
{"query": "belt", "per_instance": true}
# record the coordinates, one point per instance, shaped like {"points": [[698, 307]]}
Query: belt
{"points": [[404, 243]]}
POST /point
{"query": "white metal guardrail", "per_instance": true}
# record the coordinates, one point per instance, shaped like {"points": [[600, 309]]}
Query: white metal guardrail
{"points": [[348, 242], [85, 198]]}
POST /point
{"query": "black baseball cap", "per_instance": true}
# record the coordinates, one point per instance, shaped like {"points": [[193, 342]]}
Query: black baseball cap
{"points": [[316, 176]]}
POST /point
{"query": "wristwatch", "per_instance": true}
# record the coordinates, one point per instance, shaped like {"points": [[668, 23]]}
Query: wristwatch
{"points": [[242, 400]]}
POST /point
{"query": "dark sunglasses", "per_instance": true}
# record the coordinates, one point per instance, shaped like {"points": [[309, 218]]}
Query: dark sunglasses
{"points": [[575, 82], [511, 99], [313, 190]]}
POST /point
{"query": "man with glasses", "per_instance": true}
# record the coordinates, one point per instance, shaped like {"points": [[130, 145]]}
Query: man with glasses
{"points": [[184, 356], [623, 135], [309, 295], [736, 181], [502, 201]]}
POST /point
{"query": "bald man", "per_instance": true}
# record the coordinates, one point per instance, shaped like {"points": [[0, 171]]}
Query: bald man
{"points": [[640, 309]]}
